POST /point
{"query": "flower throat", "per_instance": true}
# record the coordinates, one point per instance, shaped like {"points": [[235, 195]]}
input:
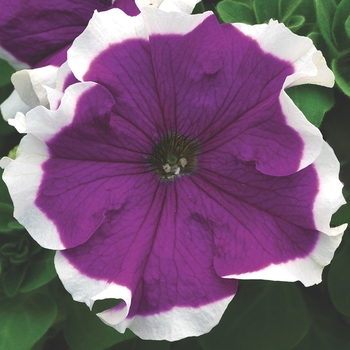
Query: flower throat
{"points": [[173, 156]]}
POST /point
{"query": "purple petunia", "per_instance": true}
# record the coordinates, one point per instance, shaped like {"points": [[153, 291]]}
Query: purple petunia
{"points": [[176, 165]]}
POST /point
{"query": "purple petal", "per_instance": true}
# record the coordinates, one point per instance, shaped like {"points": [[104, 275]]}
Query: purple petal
{"points": [[33, 30], [222, 91]]}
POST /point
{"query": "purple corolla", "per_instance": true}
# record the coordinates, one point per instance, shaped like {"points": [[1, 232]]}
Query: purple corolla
{"points": [[176, 165]]}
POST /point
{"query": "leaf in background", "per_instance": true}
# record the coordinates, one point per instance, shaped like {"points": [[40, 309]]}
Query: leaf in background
{"points": [[265, 10], [314, 101], [25, 319], [341, 70], [263, 315], [296, 22], [5, 72], [83, 330], [6, 216], [325, 10], [186, 344], [231, 11], [139, 344], [327, 329], [347, 27], [339, 280], [40, 271], [287, 8], [342, 216], [342, 14]]}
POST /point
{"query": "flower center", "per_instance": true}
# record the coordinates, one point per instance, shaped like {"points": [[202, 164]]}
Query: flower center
{"points": [[174, 155]]}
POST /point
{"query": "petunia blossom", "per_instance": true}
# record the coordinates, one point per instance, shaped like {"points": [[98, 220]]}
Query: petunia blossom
{"points": [[37, 34], [176, 165]]}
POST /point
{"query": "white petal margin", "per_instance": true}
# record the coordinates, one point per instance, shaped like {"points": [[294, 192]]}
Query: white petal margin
{"points": [[12, 105], [308, 270], [114, 26], [30, 90], [23, 175], [178, 323], [29, 83], [276, 39], [186, 6], [310, 68], [5, 55]]}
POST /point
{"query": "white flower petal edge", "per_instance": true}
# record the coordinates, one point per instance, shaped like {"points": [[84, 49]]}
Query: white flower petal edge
{"points": [[98, 33], [22, 177], [186, 6], [29, 83], [178, 323], [310, 68], [12, 105], [5, 55], [276, 39], [308, 270], [40, 124], [30, 90]]}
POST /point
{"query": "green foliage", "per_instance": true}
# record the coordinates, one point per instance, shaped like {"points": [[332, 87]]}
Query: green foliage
{"points": [[263, 315], [327, 330], [83, 330], [339, 280], [24, 319], [233, 11], [313, 101], [5, 72]]}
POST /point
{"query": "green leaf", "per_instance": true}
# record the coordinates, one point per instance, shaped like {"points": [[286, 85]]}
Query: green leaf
{"points": [[83, 330], [339, 25], [339, 281], [342, 216], [347, 27], [340, 67], [139, 344], [12, 279], [296, 22], [6, 217], [40, 271], [25, 319], [264, 316], [231, 11], [5, 73], [314, 101], [265, 10], [325, 10], [287, 8], [327, 330], [186, 344]]}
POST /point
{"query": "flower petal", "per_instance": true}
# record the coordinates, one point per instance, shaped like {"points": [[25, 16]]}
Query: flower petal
{"points": [[163, 259], [215, 90], [31, 31], [296, 241], [29, 167]]}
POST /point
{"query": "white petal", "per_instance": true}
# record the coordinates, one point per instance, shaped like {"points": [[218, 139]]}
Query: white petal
{"points": [[23, 177], [178, 323], [12, 105], [30, 84], [98, 34]]}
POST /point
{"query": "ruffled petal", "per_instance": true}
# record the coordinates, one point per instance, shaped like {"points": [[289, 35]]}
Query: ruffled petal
{"points": [[161, 253], [311, 243]]}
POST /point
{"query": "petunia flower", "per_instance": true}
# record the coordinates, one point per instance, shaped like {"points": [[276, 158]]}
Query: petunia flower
{"points": [[177, 165], [37, 34]]}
